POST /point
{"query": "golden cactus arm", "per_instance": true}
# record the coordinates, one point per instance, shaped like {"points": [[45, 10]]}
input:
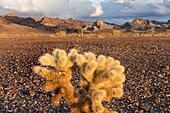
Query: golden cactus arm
{"points": [[113, 92], [97, 107], [47, 59], [90, 57], [47, 73], [50, 85], [121, 79], [55, 100]]}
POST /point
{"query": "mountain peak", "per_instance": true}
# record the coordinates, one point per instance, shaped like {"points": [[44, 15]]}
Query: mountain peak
{"points": [[10, 14], [99, 23], [168, 21]]}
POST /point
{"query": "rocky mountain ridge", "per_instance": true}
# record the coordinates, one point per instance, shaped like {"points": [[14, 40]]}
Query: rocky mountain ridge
{"points": [[13, 28], [75, 26]]}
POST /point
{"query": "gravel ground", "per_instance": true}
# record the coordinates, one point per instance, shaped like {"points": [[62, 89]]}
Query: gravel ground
{"points": [[146, 61]]}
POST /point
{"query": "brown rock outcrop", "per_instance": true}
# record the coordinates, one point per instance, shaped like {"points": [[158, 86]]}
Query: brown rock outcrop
{"points": [[99, 23], [10, 14], [138, 24]]}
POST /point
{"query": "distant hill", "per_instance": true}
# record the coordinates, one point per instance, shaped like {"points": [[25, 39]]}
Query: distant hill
{"points": [[12, 23], [144, 25], [13, 28]]}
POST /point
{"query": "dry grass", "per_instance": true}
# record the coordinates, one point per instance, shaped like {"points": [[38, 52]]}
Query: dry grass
{"points": [[115, 33]]}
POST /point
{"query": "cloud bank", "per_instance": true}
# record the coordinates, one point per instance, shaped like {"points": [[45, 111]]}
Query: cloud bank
{"points": [[85, 8], [123, 8], [52, 8]]}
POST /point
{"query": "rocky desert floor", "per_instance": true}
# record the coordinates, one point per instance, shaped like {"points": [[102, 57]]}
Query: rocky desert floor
{"points": [[146, 59]]}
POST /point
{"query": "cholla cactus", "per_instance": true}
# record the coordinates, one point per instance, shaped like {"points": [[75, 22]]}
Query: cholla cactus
{"points": [[102, 78], [60, 76]]}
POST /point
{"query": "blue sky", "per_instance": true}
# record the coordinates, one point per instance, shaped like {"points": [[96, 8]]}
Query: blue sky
{"points": [[117, 11]]}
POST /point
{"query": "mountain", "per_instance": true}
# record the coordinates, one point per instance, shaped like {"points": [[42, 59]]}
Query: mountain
{"points": [[144, 25], [138, 24], [99, 25], [54, 25], [9, 27]]}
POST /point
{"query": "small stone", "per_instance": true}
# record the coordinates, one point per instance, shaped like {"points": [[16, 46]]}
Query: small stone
{"points": [[160, 75], [167, 67], [32, 93], [10, 111], [35, 102], [1, 87], [168, 95]]}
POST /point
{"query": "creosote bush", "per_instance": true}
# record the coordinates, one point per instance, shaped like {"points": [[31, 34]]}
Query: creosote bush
{"points": [[117, 33], [102, 78], [61, 33]]}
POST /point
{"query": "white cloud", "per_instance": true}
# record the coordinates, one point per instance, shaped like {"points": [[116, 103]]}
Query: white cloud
{"points": [[52, 8], [98, 12], [25, 9], [166, 3], [85, 8], [123, 8]]}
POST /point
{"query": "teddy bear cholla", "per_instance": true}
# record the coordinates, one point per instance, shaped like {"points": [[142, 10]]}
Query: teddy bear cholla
{"points": [[102, 78]]}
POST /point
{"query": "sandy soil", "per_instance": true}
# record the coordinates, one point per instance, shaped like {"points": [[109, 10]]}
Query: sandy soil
{"points": [[146, 61]]}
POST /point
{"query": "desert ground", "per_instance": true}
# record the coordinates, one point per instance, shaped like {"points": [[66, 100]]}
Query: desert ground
{"points": [[146, 61]]}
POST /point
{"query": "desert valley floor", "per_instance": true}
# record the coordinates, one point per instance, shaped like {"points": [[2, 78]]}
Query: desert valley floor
{"points": [[146, 61]]}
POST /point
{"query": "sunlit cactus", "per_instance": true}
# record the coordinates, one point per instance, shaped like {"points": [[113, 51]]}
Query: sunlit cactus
{"points": [[60, 76], [102, 78]]}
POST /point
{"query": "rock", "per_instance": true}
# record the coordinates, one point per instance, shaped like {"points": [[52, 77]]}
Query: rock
{"points": [[99, 23], [158, 23], [32, 93], [164, 26], [11, 15], [1, 87], [138, 24]]}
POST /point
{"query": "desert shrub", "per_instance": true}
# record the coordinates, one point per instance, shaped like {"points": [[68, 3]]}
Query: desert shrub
{"points": [[117, 33], [100, 36], [61, 33], [105, 34], [73, 34], [32, 34], [102, 78]]}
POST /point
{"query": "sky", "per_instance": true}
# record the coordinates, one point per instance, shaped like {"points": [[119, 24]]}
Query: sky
{"points": [[117, 11]]}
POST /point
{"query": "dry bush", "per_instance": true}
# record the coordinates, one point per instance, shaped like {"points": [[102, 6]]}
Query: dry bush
{"points": [[61, 33], [73, 34], [32, 34], [117, 33]]}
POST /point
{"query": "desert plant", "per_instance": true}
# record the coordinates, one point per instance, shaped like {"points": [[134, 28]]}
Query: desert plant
{"points": [[82, 32], [102, 78], [106, 34], [73, 34], [32, 34], [61, 33], [117, 33]]}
